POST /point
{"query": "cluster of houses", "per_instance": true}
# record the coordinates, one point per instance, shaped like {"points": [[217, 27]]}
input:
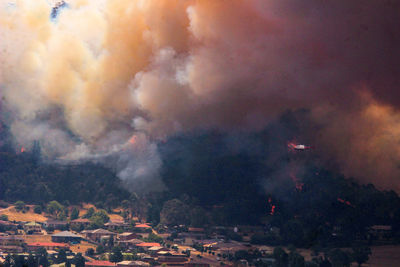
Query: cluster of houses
{"points": [[131, 240], [13, 240]]}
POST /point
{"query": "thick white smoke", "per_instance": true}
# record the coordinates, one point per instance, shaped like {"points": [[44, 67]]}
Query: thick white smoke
{"points": [[103, 71]]}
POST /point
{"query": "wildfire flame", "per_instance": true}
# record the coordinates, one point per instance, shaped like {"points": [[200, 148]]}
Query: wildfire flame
{"points": [[132, 140], [272, 210], [348, 203], [273, 207], [22, 149]]}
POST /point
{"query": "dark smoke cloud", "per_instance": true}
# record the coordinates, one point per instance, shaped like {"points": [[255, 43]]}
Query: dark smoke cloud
{"points": [[117, 69]]}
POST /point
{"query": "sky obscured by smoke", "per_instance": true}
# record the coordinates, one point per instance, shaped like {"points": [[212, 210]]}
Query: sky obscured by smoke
{"points": [[105, 71]]}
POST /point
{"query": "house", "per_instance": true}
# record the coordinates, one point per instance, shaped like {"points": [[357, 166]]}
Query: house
{"points": [[154, 250], [80, 223], [8, 226], [47, 245], [133, 264], [54, 224], [196, 263], [66, 237], [99, 264], [33, 227], [381, 232], [172, 258], [148, 245], [127, 236], [11, 243], [115, 225], [142, 227], [98, 234], [128, 243]]}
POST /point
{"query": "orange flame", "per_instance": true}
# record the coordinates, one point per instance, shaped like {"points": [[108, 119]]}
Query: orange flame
{"points": [[273, 207], [348, 203], [272, 210], [132, 140], [22, 149]]}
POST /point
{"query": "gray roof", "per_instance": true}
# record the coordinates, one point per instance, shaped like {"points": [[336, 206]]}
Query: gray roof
{"points": [[103, 231], [66, 234]]}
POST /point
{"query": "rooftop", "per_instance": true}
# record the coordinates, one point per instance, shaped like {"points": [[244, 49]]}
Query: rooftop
{"points": [[66, 234], [99, 263], [142, 225], [144, 244]]}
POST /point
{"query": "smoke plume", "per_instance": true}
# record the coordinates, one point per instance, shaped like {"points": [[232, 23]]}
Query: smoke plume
{"points": [[104, 72]]}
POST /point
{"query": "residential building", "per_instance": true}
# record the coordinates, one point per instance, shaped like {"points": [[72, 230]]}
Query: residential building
{"points": [[133, 264], [11, 243], [66, 237], [60, 225], [99, 264], [127, 236], [80, 223], [98, 234], [32, 227]]}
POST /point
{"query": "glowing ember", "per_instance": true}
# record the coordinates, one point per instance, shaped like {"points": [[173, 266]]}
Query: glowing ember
{"points": [[348, 203], [273, 207], [132, 140], [272, 210]]}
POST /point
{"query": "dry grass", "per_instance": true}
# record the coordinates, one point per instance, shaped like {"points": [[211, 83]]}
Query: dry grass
{"points": [[82, 247], [86, 206], [28, 216], [37, 238]]}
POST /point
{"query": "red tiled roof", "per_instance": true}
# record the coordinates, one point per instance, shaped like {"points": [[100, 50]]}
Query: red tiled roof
{"points": [[142, 225], [148, 244], [194, 229], [47, 244], [99, 263]]}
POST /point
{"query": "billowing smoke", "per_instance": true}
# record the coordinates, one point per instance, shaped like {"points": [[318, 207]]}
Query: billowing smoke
{"points": [[104, 72]]}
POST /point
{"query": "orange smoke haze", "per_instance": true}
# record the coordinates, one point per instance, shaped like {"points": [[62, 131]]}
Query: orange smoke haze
{"points": [[107, 69]]}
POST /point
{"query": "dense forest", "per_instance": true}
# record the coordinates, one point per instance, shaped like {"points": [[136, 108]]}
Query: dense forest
{"points": [[215, 178]]}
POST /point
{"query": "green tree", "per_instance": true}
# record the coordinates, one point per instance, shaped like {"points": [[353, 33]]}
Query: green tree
{"points": [[99, 218], [154, 238], [55, 208], [174, 212], [280, 256], [62, 256], [79, 260], [198, 217], [31, 261], [19, 260], [339, 258], [19, 205], [360, 254], [100, 249], [37, 209], [74, 213], [296, 260], [89, 213], [8, 261], [116, 255], [42, 257], [89, 252]]}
